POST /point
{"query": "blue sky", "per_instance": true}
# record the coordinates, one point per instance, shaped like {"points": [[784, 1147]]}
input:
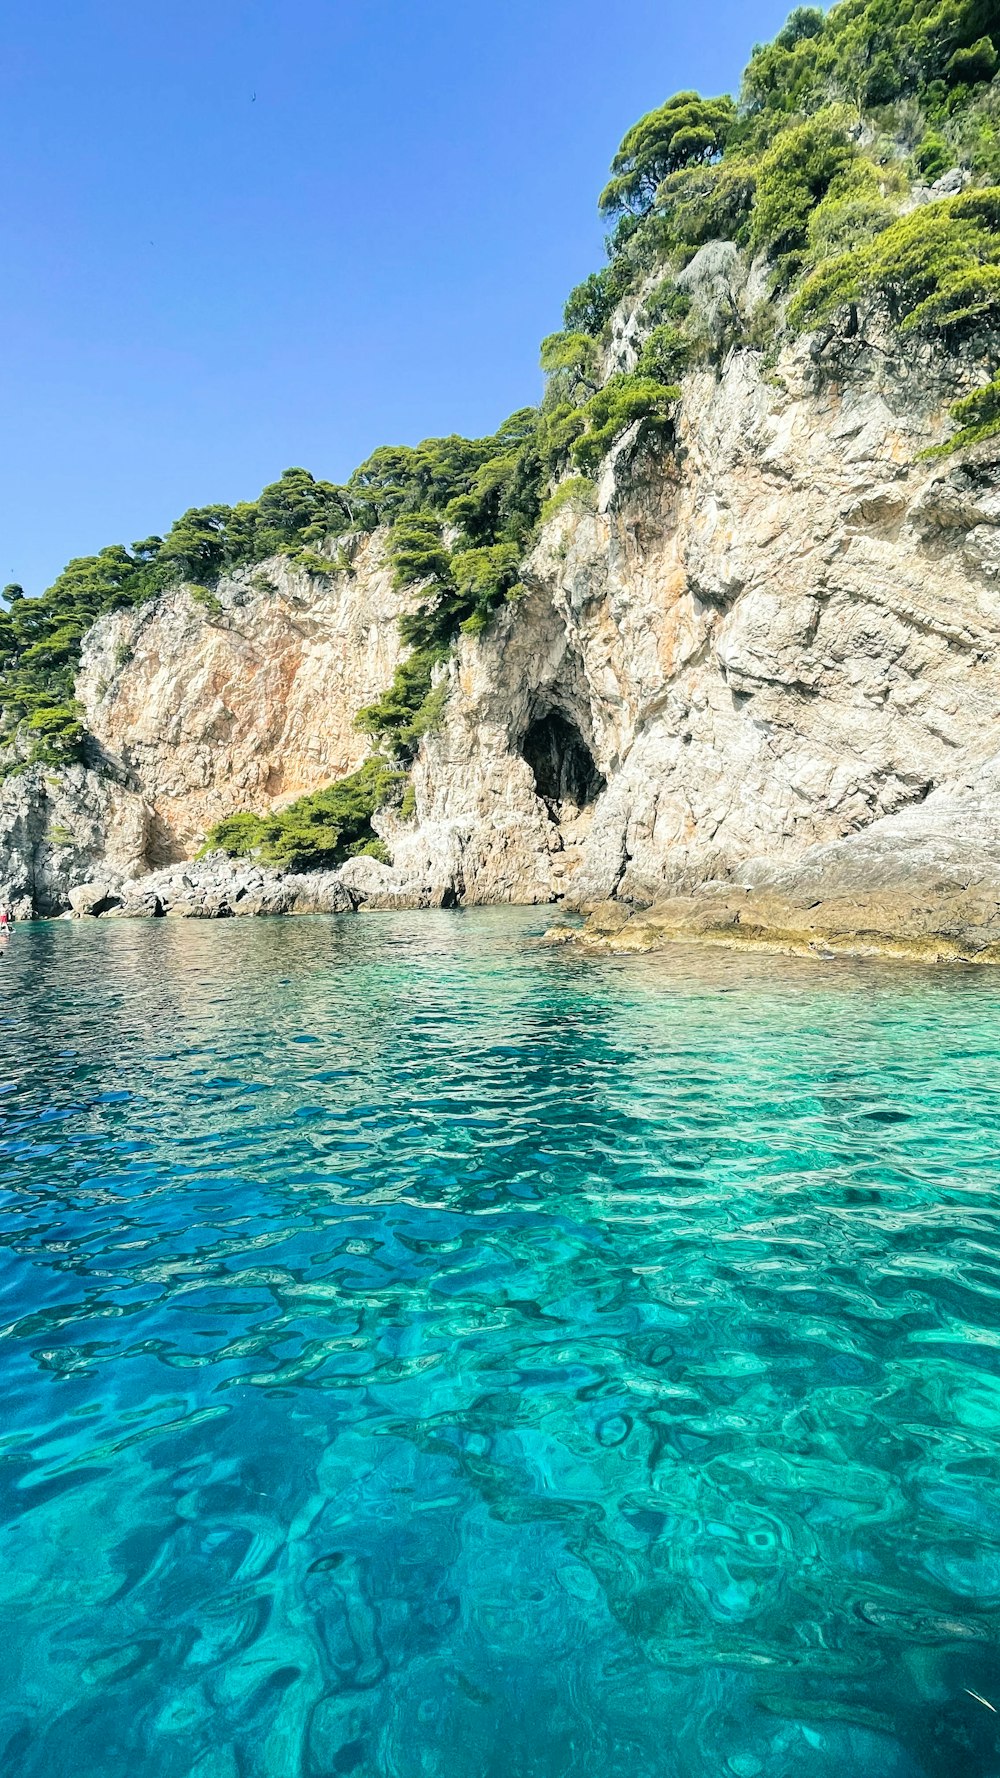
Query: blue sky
{"points": [[201, 287]]}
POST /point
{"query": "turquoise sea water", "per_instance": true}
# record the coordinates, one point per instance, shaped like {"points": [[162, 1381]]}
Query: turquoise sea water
{"points": [[425, 1352]]}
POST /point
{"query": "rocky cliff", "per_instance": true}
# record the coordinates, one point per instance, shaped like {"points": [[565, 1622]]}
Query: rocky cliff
{"points": [[773, 636], [772, 639], [198, 707]]}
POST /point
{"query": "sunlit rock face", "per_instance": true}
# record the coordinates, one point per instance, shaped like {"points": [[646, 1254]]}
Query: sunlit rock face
{"points": [[245, 701], [60, 829], [771, 638]]}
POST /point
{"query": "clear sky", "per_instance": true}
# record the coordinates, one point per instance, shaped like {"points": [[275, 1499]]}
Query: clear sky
{"points": [[245, 234]]}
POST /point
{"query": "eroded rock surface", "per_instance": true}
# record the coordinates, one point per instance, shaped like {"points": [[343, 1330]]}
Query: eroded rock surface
{"points": [[923, 883], [246, 701], [60, 829], [783, 636], [780, 637], [216, 887]]}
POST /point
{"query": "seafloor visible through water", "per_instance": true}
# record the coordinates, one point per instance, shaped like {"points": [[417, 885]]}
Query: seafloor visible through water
{"points": [[429, 1353]]}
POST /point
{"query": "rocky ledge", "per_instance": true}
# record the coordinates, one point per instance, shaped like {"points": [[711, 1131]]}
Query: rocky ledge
{"points": [[217, 887], [922, 885]]}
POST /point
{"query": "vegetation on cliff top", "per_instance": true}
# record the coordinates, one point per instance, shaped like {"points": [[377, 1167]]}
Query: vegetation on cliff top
{"points": [[812, 170]]}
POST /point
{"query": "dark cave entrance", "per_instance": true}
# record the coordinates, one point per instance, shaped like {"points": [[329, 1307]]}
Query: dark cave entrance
{"points": [[561, 761]]}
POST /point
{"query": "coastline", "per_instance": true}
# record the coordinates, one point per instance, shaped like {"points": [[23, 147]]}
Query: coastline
{"points": [[930, 927]]}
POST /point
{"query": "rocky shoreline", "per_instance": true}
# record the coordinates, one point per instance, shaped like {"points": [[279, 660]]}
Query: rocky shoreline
{"points": [[219, 888], [749, 695], [767, 924], [922, 885]]}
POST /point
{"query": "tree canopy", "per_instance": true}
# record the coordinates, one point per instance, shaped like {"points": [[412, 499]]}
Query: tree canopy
{"points": [[688, 130]]}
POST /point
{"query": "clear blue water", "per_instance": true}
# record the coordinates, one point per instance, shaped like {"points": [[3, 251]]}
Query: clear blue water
{"points": [[426, 1352]]}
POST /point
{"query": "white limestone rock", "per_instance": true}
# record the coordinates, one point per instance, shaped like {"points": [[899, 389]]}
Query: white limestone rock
{"points": [[776, 638]]}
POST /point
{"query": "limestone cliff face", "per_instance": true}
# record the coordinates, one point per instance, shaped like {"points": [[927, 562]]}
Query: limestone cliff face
{"points": [[777, 635], [782, 635], [58, 829], [245, 702]]}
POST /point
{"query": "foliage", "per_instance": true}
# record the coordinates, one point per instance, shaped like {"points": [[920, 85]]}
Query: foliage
{"points": [[933, 156], [871, 52], [623, 400], [418, 550], [710, 203], [458, 592], [410, 707], [795, 175], [786, 175], [688, 130], [590, 306], [666, 303], [858, 204], [974, 64], [978, 417], [576, 490], [664, 356], [575, 359], [568, 351], [934, 270], [239, 835], [460, 552], [317, 831], [483, 579], [204, 596], [313, 563]]}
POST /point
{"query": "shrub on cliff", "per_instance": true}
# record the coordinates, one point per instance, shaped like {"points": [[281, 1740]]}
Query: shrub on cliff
{"points": [[590, 306], [978, 418], [404, 713], [935, 270], [623, 400], [664, 356], [688, 130], [576, 491], [796, 173], [872, 53]]}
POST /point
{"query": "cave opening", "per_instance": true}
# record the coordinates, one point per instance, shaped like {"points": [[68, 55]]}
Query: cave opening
{"points": [[563, 765]]}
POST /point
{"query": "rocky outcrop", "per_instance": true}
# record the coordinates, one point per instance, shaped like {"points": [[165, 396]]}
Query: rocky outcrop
{"points": [[58, 829], [244, 698], [216, 887], [774, 639], [923, 884], [770, 641]]}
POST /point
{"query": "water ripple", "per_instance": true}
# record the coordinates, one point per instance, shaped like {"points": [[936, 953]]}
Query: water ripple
{"points": [[432, 1355]]}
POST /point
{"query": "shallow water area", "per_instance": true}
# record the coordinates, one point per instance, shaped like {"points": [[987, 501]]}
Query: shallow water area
{"points": [[426, 1352]]}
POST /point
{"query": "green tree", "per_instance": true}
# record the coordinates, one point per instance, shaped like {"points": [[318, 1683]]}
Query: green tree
{"points": [[795, 175], [687, 130]]}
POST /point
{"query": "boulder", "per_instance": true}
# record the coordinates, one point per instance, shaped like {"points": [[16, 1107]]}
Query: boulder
{"points": [[89, 900], [365, 877]]}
